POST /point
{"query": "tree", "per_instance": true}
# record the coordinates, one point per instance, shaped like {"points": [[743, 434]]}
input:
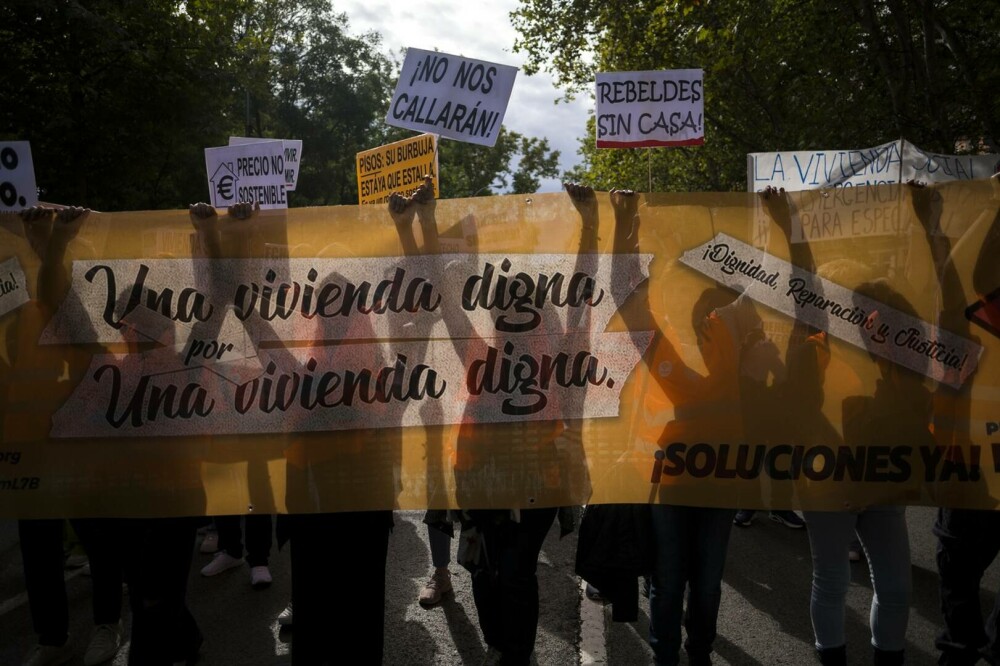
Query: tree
{"points": [[117, 99], [779, 75], [120, 99], [468, 170]]}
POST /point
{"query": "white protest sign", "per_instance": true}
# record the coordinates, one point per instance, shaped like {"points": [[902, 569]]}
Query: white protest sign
{"points": [[796, 170], [926, 167], [452, 96], [649, 109], [17, 176], [893, 162], [291, 151], [851, 214], [254, 173]]}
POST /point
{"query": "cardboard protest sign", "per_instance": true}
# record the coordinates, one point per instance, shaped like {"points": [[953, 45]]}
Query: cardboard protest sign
{"points": [[17, 176], [859, 178], [396, 167], [253, 172], [650, 109], [452, 96], [292, 154]]}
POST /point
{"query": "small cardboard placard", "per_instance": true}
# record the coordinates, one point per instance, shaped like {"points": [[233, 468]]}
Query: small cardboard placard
{"points": [[396, 167], [254, 173], [17, 177], [291, 151]]}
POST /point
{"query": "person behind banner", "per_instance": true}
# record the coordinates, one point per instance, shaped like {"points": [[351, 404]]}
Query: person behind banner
{"points": [[898, 414], [500, 546], [968, 539], [35, 373], [689, 542]]}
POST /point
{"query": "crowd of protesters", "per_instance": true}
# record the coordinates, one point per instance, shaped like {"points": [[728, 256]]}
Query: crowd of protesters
{"points": [[683, 548]]}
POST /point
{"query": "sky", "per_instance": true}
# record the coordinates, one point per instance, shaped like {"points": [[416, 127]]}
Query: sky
{"points": [[482, 31]]}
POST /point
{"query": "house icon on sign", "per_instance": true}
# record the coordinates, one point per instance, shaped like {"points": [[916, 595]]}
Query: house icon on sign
{"points": [[224, 184]]}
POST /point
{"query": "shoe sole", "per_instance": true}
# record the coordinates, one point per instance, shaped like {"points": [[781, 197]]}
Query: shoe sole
{"points": [[222, 571], [743, 523], [789, 525], [426, 603]]}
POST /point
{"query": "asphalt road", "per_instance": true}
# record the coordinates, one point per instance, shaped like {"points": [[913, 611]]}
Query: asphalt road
{"points": [[764, 617]]}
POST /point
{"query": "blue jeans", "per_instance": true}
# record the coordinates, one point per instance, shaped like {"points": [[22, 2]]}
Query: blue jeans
{"points": [[883, 534], [690, 553]]}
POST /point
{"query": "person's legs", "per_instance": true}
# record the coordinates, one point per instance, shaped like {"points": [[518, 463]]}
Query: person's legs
{"points": [[102, 538], [711, 531], [259, 535], [230, 535], [440, 547], [42, 553], [486, 581], [163, 629], [319, 585], [671, 566], [517, 565], [887, 544], [439, 583], [968, 541], [830, 533]]}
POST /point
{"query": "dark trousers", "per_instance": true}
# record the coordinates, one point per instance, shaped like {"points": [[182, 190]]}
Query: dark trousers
{"points": [[968, 541], [42, 553], [102, 538], [163, 629], [338, 587], [690, 553], [258, 537], [505, 588]]}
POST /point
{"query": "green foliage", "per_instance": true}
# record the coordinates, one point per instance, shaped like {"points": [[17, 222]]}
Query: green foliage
{"points": [[119, 99], [468, 170], [779, 75]]}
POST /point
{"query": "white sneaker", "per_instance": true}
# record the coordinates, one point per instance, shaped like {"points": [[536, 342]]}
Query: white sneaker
{"points": [[104, 644], [222, 561], [438, 586], [285, 617], [260, 577], [209, 543], [49, 655]]}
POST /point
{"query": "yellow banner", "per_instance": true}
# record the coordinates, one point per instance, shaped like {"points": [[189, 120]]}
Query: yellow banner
{"points": [[542, 352], [396, 167]]}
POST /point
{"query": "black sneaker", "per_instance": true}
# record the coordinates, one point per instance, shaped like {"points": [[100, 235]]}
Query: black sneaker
{"points": [[789, 519], [743, 518]]}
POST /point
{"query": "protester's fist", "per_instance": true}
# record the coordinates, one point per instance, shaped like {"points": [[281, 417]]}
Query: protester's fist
{"points": [[625, 204], [926, 201], [585, 202], [425, 193], [400, 209], [776, 203], [243, 210], [68, 222], [203, 216], [37, 222]]}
